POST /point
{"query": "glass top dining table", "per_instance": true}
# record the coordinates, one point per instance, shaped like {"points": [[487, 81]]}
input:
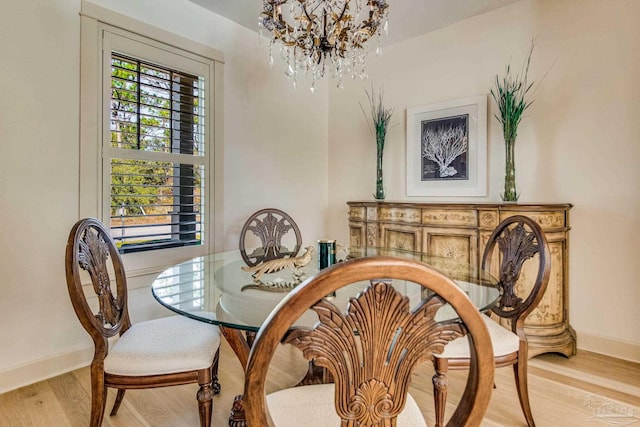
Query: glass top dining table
{"points": [[216, 289]]}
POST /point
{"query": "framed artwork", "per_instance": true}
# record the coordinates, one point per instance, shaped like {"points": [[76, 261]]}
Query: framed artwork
{"points": [[447, 148]]}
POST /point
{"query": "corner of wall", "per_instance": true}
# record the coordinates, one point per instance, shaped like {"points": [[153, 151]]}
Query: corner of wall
{"points": [[619, 349], [33, 371]]}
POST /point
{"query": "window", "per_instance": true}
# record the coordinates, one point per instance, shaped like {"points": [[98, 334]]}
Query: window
{"points": [[155, 155], [151, 164]]}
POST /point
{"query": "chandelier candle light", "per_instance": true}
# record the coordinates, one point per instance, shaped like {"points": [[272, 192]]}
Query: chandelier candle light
{"points": [[321, 36]]}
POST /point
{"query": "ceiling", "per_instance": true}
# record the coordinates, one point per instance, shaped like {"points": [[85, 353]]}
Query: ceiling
{"points": [[407, 18]]}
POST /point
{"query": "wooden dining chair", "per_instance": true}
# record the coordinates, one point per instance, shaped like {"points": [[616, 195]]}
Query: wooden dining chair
{"points": [[523, 251], [269, 227], [156, 353], [370, 351]]}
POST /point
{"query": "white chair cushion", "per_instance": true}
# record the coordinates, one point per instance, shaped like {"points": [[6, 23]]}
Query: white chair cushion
{"points": [[163, 346], [313, 406], [503, 341]]}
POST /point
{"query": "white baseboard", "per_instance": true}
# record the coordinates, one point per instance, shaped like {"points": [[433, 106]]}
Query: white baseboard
{"points": [[42, 369], [45, 368], [619, 349], [142, 305]]}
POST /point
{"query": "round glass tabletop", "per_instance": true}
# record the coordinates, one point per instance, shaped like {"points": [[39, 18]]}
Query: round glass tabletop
{"points": [[216, 289]]}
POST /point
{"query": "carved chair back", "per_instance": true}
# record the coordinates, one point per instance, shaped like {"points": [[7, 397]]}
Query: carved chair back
{"points": [[91, 258], [372, 349], [269, 227], [519, 240]]}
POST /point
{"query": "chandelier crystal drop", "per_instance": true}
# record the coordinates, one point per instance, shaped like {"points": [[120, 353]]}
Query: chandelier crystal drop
{"points": [[324, 36]]}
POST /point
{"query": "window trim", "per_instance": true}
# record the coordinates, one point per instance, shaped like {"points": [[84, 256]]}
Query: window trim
{"points": [[140, 50], [94, 110]]}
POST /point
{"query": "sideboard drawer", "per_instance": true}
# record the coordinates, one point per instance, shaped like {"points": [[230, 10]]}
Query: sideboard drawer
{"points": [[547, 220], [400, 215], [358, 213], [450, 217]]}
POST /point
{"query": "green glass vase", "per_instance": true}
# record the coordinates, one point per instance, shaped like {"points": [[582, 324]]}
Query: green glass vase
{"points": [[510, 194], [379, 194]]}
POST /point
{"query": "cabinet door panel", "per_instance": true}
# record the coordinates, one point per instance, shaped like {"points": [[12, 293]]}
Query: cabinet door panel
{"points": [[550, 310], [460, 244], [400, 237], [357, 234]]}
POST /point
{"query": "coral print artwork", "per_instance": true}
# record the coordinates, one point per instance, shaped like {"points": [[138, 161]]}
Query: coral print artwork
{"points": [[444, 148]]}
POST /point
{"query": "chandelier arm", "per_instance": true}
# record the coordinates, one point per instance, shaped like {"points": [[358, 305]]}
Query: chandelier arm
{"points": [[324, 25], [344, 9], [313, 11]]}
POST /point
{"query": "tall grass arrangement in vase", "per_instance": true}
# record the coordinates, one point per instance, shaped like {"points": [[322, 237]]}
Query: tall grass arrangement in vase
{"points": [[380, 117], [513, 97]]}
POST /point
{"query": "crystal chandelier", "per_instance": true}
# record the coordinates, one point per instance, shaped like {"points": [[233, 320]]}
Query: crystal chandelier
{"points": [[324, 36]]}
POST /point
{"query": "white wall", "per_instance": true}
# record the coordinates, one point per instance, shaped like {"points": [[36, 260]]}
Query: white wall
{"points": [[39, 77], [578, 143], [275, 154]]}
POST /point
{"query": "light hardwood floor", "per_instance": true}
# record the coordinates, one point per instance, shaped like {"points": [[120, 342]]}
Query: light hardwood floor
{"points": [[586, 390]]}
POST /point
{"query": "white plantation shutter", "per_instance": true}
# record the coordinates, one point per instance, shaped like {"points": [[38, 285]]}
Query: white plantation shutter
{"points": [[154, 164]]}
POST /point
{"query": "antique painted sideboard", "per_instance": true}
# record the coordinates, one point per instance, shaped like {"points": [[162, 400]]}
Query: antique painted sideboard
{"points": [[461, 230]]}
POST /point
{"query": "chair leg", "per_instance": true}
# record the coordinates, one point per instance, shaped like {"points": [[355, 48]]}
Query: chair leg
{"points": [[440, 384], [98, 398], [205, 397], [520, 374], [214, 374], [118, 401]]}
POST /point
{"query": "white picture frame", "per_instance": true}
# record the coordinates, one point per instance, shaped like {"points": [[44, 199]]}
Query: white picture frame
{"points": [[440, 162]]}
